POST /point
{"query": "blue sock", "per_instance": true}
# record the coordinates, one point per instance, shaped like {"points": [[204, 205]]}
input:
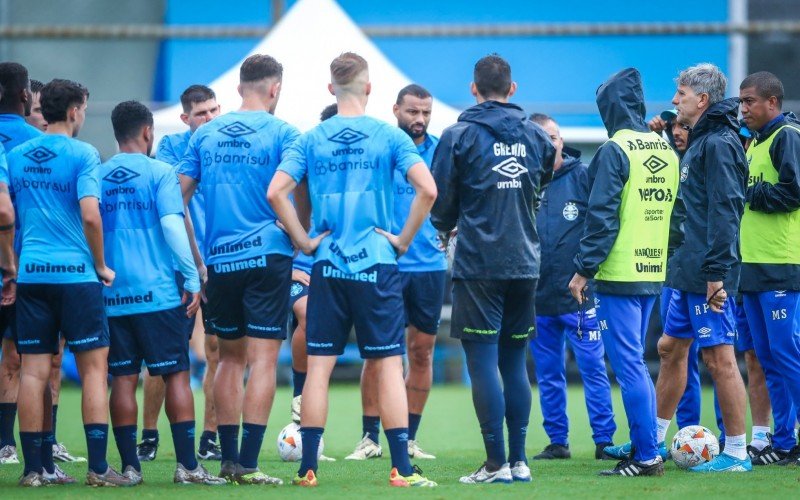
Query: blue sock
{"points": [[31, 451], [183, 440], [96, 446], [487, 397], [151, 434], [8, 414], [208, 437], [413, 425], [371, 426], [48, 440], [298, 381], [229, 442], [517, 394], [252, 437], [310, 437], [55, 420], [398, 447], [125, 437]]}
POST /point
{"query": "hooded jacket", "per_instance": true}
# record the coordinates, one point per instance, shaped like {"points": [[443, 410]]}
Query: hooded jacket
{"points": [[713, 180], [489, 168], [559, 223], [620, 101], [771, 198]]}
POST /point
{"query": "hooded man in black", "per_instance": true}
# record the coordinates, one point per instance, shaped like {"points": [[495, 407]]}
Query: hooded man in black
{"points": [[633, 180], [704, 270], [489, 169]]}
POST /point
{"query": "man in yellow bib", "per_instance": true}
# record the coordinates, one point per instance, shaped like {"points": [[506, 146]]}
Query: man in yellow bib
{"points": [[633, 182], [770, 244]]}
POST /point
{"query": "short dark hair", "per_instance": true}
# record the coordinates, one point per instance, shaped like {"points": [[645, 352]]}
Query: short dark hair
{"points": [[492, 76], [413, 89], [766, 84], [330, 111], [128, 118], [195, 94], [540, 118], [36, 86], [14, 79], [346, 67], [58, 96], [258, 67]]}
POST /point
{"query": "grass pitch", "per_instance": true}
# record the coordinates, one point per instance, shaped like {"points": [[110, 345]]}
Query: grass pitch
{"points": [[449, 430]]}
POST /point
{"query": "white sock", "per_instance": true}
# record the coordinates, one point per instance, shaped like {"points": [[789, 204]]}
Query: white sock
{"points": [[651, 461], [735, 446], [663, 425], [760, 440]]}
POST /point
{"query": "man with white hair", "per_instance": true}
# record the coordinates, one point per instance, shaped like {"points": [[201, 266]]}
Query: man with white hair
{"points": [[704, 270]]}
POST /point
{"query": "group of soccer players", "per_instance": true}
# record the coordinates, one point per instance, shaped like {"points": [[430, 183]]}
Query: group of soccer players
{"points": [[246, 219]]}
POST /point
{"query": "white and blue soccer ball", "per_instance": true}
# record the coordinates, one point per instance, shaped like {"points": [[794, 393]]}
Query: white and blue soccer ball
{"points": [[693, 445], [290, 444]]}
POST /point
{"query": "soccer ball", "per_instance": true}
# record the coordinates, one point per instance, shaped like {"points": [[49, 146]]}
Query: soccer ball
{"points": [[693, 445], [290, 444]]}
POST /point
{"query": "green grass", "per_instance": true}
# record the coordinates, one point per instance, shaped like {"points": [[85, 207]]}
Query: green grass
{"points": [[449, 430]]}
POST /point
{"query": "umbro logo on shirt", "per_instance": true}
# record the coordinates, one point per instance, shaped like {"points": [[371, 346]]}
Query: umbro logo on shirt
{"points": [[347, 136], [236, 129], [655, 164], [4, 138], [120, 175], [510, 167], [40, 155]]}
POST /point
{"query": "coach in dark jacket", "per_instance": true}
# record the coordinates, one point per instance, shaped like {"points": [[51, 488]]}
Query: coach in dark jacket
{"points": [[489, 168], [558, 319], [704, 270]]}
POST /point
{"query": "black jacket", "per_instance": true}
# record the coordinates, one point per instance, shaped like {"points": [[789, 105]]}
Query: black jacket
{"points": [[560, 226], [489, 169], [620, 101], [713, 180], [771, 198]]}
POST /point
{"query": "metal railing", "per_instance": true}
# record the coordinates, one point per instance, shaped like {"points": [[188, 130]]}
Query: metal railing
{"points": [[152, 31]]}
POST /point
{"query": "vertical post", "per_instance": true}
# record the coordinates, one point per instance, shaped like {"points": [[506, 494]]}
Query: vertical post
{"points": [[4, 15], [277, 10], [737, 44]]}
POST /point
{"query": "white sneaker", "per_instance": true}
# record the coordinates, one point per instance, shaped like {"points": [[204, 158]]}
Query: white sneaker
{"points": [[296, 402], [8, 455], [521, 472], [134, 475], [323, 458], [198, 476], [365, 449], [483, 476], [61, 454], [414, 451]]}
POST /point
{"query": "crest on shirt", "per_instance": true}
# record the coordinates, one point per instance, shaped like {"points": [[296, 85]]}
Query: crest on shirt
{"points": [[684, 172], [40, 155], [570, 211], [120, 175], [347, 136], [236, 129]]}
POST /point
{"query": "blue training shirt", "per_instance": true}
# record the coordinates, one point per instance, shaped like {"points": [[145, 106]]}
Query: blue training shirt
{"points": [[3, 168], [49, 175], [14, 130], [426, 252], [137, 192], [350, 163], [234, 157], [170, 150]]}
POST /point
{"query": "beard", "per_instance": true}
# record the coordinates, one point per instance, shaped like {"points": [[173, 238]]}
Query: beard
{"points": [[415, 133]]}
